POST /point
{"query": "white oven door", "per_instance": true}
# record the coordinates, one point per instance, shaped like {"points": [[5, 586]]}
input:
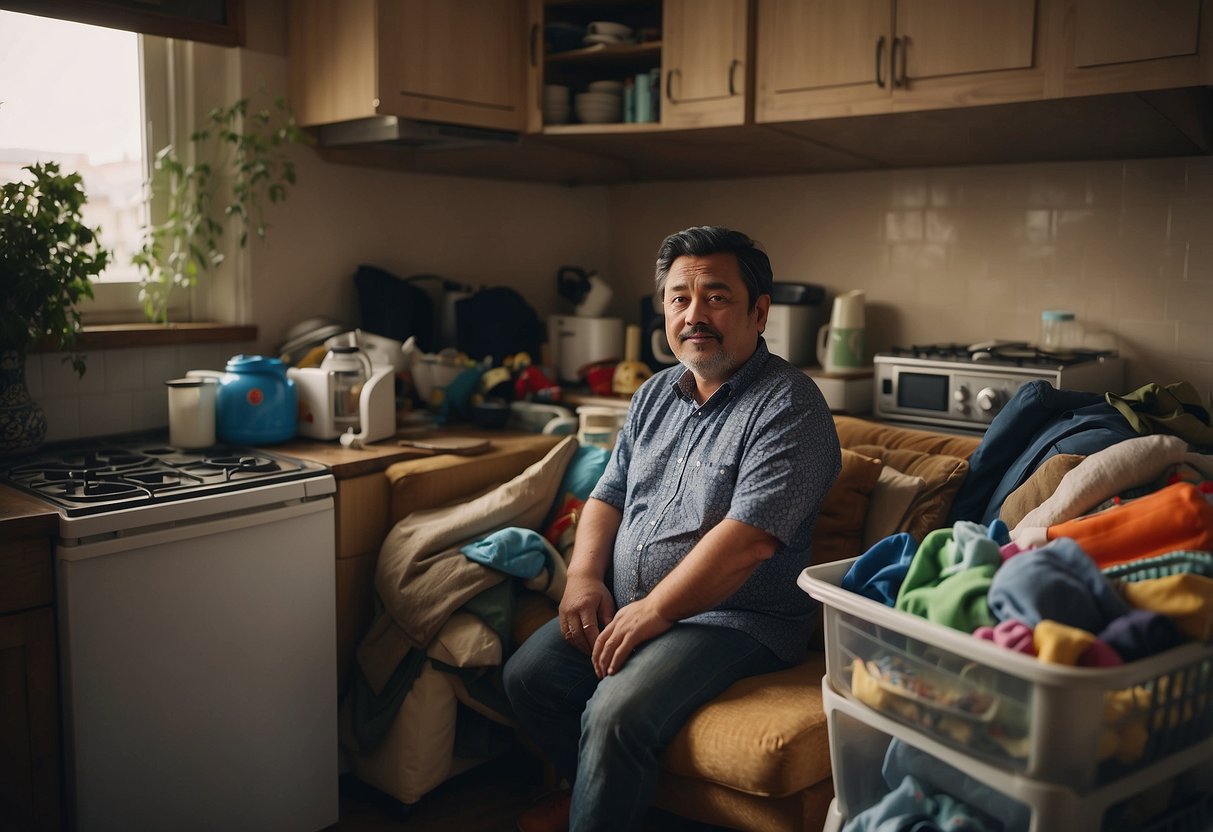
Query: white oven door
{"points": [[199, 673]]}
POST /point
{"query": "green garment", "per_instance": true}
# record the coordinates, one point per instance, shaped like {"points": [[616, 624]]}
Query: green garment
{"points": [[957, 600], [1176, 409]]}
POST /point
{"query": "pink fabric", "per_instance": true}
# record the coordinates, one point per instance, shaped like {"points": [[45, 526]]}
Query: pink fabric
{"points": [[1011, 634]]}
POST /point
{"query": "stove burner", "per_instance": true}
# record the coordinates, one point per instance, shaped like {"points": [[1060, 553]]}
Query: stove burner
{"points": [[1010, 353], [94, 477]]}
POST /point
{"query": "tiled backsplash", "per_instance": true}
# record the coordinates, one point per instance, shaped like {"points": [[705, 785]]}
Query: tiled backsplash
{"points": [[967, 254], [122, 390]]}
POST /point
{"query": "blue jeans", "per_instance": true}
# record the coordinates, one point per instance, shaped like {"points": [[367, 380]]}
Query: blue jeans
{"points": [[606, 737]]}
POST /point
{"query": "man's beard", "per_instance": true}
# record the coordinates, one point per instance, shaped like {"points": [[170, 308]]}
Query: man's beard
{"points": [[717, 365]]}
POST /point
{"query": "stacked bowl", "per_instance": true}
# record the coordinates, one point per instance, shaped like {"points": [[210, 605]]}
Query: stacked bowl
{"points": [[602, 104], [555, 104]]}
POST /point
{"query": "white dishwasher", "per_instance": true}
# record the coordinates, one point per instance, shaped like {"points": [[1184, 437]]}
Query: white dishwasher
{"points": [[197, 635]]}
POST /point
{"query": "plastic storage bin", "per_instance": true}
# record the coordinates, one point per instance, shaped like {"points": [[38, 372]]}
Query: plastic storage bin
{"points": [[1173, 794], [1072, 726]]}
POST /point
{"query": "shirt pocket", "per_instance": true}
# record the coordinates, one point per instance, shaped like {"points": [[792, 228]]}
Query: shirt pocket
{"points": [[709, 488]]}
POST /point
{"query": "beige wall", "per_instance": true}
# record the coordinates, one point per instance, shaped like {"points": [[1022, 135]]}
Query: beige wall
{"points": [[967, 254]]}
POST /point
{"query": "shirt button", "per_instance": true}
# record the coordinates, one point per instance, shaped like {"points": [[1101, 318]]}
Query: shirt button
{"points": [[696, 463], [639, 547], [652, 522]]}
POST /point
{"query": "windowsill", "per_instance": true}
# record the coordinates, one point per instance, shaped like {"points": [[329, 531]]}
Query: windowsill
{"points": [[134, 335]]}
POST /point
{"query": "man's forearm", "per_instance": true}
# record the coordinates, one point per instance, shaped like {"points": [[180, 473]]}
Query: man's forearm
{"points": [[594, 544], [717, 567]]}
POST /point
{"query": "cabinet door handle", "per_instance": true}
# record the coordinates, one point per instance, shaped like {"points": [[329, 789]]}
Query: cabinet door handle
{"points": [[732, 69], [669, 87], [893, 62], [880, 62], [534, 44], [905, 47]]}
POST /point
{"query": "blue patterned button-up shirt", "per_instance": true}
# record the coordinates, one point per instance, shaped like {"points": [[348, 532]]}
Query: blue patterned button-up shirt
{"points": [[762, 450]]}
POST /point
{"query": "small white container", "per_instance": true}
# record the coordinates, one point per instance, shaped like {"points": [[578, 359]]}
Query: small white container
{"points": [[191, 412]]}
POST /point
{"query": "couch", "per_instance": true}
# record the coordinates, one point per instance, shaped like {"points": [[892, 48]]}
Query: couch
{"points": [[756, 757]]}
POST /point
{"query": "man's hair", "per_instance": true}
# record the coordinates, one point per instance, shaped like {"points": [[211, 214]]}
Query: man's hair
{"points": [[711, 239]]}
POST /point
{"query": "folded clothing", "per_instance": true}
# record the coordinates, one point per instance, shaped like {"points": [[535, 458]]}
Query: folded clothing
{"points": [[1173, 518]]}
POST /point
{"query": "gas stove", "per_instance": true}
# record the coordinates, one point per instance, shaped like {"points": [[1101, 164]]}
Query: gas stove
{"points": [[117, 484], [964, 386]]}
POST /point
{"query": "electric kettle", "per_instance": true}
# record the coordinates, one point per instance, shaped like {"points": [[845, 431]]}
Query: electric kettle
{"points": [[841, 343]]}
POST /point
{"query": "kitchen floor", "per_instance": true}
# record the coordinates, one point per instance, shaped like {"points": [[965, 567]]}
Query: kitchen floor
{"points": [[485, 799]]}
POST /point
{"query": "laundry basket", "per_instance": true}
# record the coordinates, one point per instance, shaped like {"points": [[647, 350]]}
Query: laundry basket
{"points": [[1074, 726]]}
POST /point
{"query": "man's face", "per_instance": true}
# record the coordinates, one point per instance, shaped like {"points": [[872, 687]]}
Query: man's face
{"points": [[706, 317]]}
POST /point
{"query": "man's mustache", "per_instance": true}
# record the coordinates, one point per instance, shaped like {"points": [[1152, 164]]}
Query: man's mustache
{"points": [[699, 329]]}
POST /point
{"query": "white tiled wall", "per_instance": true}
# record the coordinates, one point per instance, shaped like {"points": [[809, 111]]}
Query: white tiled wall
{"points": [[122, 391], [967, 254]]}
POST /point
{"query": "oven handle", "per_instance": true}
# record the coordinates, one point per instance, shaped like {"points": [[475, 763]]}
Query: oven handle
{"points": [[70, 550]]}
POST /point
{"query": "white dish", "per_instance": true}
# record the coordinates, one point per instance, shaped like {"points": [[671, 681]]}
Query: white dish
{"points": [[605, 40], [603, 27]]}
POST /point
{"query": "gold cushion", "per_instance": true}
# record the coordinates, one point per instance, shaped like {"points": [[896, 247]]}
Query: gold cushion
{"points": [[765, 735], [1037, 488]]}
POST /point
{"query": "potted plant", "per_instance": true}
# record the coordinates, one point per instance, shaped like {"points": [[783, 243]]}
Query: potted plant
{"points": [[48, 259], [239, 146]]}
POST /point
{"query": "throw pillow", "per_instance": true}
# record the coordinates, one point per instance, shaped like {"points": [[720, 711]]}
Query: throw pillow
{"points": [[891, 499], [1037, 488], [839, 530], [942, 477]]}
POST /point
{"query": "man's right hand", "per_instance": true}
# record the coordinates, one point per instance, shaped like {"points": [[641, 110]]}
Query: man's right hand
{"points": [[586, 607]]}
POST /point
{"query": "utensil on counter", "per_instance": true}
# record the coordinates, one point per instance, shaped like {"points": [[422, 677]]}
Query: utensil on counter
{"points": [[631, 372]]}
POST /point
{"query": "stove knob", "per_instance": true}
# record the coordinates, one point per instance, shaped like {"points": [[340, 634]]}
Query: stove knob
{"points": [[961, 394], [989, 399]]}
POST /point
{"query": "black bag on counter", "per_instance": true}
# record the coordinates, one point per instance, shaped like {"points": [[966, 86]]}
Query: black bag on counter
{"points": [[497, 322], [393, 307]]}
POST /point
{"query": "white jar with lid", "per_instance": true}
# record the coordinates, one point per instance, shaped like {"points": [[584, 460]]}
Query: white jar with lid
{"points": [[1059, 331]]}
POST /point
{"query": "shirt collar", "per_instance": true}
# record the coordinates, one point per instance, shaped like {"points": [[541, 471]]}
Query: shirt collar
{"points": [[684, 383]]}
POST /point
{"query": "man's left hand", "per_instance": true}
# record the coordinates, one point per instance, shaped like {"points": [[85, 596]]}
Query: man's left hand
{"points": [[631, 627]]}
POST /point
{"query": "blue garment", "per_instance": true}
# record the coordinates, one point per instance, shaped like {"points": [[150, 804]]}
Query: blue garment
{"points": [[913, 808], [902, 760], [762, 450], [1040, 421], [1139, 634], [512, 550], [1058, 582], [878, 572], [622, 722]]}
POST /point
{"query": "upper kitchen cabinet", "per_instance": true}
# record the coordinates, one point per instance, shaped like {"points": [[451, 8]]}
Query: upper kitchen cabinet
{"points": [[831, 58], [448, 61], [1112, 46], [673, 64], [705, 63]]}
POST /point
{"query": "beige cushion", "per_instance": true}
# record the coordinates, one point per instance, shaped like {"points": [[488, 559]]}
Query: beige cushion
{"points": [[942, 477], [765, 735], [839, 530], [891, 499], [1037, 488]]}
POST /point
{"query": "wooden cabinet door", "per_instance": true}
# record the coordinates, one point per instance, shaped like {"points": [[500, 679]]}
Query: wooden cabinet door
{"points": [[950, 53], [332, 60], [455, 61], [821, 58], [829, 58], [1130, 45], [29, 721], [704, 62]]}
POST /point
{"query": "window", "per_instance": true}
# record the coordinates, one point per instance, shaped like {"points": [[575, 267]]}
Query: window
{"points": [[102, 102], [79, 104]]}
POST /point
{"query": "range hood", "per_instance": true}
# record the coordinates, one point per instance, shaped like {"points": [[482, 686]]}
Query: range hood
{"points": [[390, 131]]}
